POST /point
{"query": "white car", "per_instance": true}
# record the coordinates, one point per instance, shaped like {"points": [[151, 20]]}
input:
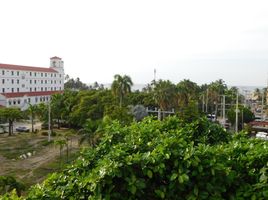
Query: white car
{"points": [[262, 135]]}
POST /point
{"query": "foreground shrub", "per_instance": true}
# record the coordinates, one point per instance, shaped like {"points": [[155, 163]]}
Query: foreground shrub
{"points": [[164, 160]]}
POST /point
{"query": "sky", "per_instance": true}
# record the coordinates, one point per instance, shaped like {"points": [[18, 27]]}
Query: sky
{"points": [[184, 39]]}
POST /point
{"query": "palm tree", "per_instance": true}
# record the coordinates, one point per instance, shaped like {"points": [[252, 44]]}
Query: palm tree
{"points": [[187, 92], [91, 132], [164, 94], [121, 86], [61, 143], [32, 109], [58, 107]]}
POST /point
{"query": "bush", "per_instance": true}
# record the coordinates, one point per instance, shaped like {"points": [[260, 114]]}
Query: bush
{"points": [[9, 183], [164, 160], [45, 133]]}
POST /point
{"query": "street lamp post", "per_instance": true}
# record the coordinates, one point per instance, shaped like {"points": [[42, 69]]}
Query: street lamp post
{"points": [[236, 114], [49, 127]]}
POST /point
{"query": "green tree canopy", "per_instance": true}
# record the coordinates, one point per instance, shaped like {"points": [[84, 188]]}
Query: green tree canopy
{"points": [[121, 86], [10, 115]]}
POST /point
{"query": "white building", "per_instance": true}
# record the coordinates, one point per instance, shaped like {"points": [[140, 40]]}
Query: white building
{"points": [[23, 85]]}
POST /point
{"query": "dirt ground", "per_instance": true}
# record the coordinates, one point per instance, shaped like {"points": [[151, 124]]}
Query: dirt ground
{"points": [[34, 168]]}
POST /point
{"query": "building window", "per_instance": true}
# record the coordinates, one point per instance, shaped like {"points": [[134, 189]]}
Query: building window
{"points": [[45, 88], [54, 75], [29, 100], [55, 88], [3, 81], [30, 81], [30, 89], [3, 90], [9, 103], [30, 73], [41, 88], [18, 101], [41, 81], [14, 102], [3, 72], [18, 81], [35, 89], [23, 85], [34, 73], [55, 81], [45, 74], [45, 81], [18, 73], [51, 82], [12, 89], [36, 99], [41, 74], [51, 75], [12, 81], [40, 98], [18, 89], [34, 81], [12, 73]]}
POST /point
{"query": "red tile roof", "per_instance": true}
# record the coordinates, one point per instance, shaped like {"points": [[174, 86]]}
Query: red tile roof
{"points": [[29, 94], [55, 57], [27, 68]]}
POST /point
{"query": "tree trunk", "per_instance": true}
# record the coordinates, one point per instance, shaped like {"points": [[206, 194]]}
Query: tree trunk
{"points": [[120, 100], [9, 128], [58, 123], [67, 151], [32, 124]]}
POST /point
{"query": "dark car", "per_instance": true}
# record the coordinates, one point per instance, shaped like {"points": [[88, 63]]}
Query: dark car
{"points": [[22, 129]]}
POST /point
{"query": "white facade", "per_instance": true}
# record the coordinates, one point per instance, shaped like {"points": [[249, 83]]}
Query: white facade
{"points": [[22, 85]]}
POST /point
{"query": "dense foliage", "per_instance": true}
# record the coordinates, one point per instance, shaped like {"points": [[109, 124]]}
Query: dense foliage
{"points": [[8, 183], [164, 160]]}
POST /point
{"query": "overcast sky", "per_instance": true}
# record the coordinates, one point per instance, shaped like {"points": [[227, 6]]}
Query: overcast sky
{"points": [[200, 40]]}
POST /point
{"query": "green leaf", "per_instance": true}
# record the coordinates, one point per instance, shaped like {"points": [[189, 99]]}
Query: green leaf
{"points": [[196, 190], [133, 189], [181, 180], [200, 168], [174, 176], [150, 174]]}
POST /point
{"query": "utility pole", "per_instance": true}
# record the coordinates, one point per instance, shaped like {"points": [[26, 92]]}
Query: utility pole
{"points": [[203, 104], [154, 75], [223, 109], [207, 102], [49, 128], [236, 114], [262, 106]]}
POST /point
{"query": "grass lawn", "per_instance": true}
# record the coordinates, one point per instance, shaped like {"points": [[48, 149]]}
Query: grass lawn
{"points": [[45, 157]]}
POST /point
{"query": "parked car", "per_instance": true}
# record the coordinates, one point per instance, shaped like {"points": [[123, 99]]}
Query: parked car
{"points": [[22, 129], [262, 135]]}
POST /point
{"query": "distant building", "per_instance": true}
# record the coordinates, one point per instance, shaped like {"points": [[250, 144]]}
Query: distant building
{"points": [[24, 85]]}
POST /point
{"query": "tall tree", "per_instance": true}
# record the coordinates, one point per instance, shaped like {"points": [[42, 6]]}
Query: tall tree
{"points": [[164, 94], [57, 107], [32, 110], [10, 114], [187, 91], [121, 86]]}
